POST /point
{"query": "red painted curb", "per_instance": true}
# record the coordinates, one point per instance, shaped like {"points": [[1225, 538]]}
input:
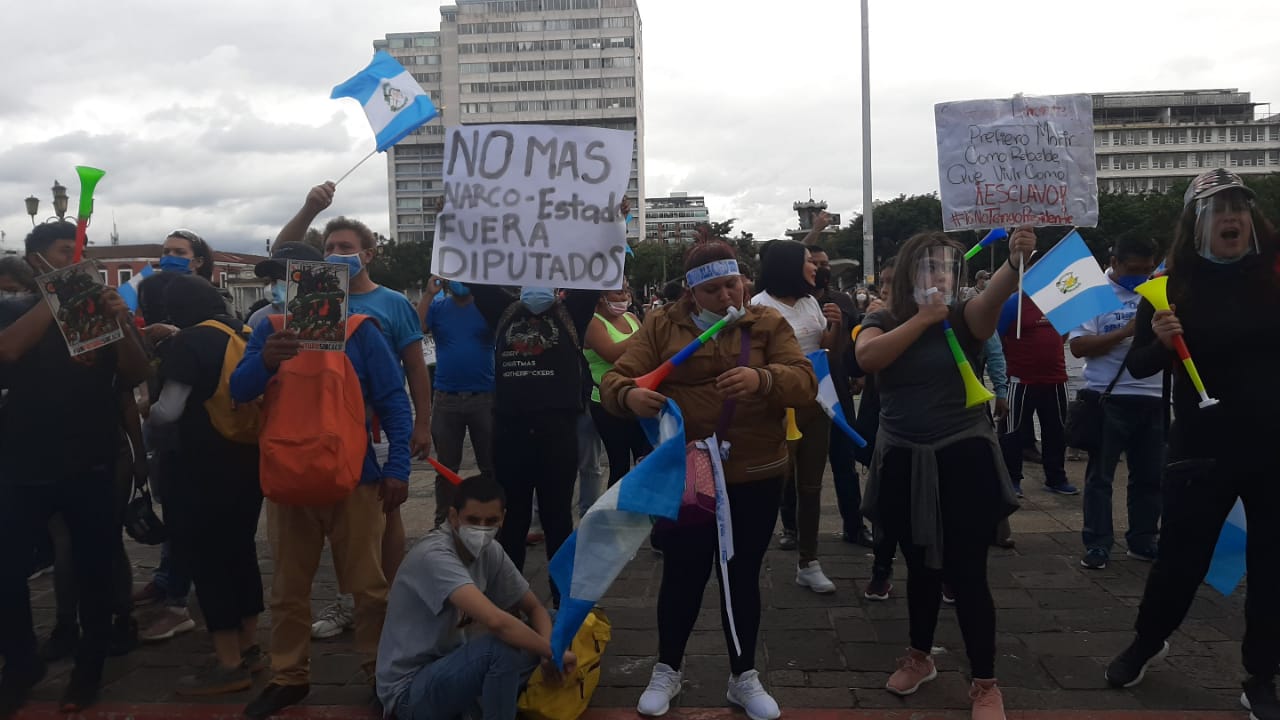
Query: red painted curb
{"points": [[123, 711]]}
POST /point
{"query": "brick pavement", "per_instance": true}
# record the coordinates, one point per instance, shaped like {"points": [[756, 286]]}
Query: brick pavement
{"points": [[1057, 625]]}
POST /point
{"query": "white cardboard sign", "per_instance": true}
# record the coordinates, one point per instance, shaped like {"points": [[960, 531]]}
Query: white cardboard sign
{"points": [[533, 205], [1016, 161]]}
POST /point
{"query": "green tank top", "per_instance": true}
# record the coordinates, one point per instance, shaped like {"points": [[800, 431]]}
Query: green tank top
{"points": [[599, 366]]}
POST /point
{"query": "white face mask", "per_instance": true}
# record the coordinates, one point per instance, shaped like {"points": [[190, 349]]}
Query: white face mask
{"points": [[862, 297], [618, 308], [475, 539]]}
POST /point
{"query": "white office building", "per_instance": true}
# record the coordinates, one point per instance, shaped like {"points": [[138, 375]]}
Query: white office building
{"points": [[1146, 141], [572, 62], [674, 218]]}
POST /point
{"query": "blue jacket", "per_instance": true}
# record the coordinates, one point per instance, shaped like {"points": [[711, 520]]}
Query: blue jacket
{"points": [[381, 383]]}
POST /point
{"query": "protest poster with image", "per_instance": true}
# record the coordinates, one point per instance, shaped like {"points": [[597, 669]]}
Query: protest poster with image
{"points": [[316, 303], [74, 294], [534, 205], [1016, 161]]}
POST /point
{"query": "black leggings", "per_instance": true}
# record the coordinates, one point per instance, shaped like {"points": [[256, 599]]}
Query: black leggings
{"points": [[536, 453], [754, 510], [969, 495], [214, 518], [623, 438], [1198, 495]]}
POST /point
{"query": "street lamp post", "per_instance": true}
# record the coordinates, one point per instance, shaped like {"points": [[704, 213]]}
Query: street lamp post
{"points": [[59, 203]]}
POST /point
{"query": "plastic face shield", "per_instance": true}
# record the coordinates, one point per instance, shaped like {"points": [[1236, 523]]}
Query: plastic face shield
{"points": [[940, 269], [1224, 227]]}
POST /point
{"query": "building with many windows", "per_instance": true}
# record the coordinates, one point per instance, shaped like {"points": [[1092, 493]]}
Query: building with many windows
{"points": [[573, 62], [1146, 141], [674, 218]]}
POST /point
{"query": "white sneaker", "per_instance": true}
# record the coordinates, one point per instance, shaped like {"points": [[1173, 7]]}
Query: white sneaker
{"points": [[664, 686], [333, 621], [813, 578], [746, 692]]}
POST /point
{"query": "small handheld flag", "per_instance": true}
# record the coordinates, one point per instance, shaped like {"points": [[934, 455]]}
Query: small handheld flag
{"points": [[393, 101], [1156, 292], [829, 399], [996, 235], [1068, 286], [1228, 565], [129, 291]]}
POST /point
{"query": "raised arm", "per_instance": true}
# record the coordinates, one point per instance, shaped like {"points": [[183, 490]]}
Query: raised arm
{"points": [[983, 312], [318, 200]]}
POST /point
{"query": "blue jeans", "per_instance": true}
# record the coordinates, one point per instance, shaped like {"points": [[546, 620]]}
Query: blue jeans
{"points": [[485, 671], [1132, 425], [845, 476], [170, 577]]}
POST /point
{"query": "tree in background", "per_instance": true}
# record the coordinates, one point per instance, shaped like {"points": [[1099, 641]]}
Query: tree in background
{"points": [[403, 265]]}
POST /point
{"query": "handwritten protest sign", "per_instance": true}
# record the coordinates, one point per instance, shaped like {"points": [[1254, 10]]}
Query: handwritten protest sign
{"points": [[74, 294], [533, 205], [316, 295], [1020, 160]]}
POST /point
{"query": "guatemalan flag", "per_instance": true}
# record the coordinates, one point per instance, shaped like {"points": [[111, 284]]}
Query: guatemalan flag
{"points": [[1068, 286], [615, 527], [129, 291], [393, 101], [1228, 565], [828, 398]]}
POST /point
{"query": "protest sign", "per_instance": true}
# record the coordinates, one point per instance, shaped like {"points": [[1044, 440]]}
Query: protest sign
{"points": [[1016, 161], [74, 294], [316, 294], [533, 205]]}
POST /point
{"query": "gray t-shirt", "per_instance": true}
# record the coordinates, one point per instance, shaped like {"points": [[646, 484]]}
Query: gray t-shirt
{"points": [[261, 313], [422, 626], [921, 393]]}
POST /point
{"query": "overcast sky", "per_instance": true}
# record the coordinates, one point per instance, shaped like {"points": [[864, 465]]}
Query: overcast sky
{"points": [[216, 115]]}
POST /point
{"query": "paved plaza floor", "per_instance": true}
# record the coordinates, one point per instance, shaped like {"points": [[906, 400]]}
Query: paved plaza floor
{"points": [[823, 657]]}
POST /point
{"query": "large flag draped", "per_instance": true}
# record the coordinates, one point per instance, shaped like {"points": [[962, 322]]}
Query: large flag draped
{"points": [[1068, 286], [615, 527], [393, 101], [129, 291], [828, 398], [1228, 565]]}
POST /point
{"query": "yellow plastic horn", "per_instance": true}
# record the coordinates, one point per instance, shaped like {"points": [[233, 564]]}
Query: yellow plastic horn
{"points": [[1156, 292], [793, 432]]}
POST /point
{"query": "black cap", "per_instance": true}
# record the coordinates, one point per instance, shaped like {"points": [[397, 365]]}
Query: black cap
{"points": [[1213, 182], [284, 252]]}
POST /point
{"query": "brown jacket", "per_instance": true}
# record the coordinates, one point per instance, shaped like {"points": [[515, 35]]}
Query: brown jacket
{"points": [[757, 437]]}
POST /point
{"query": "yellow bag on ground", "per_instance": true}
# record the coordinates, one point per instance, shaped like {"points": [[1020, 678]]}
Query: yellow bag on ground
{"points": [[543, 700]]}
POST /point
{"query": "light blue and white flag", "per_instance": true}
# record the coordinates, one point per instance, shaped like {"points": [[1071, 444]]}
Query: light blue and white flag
{"points": [[393, 101], [129, 291], [615, 527], [1228, 565], [828, 398], [1068, 286]]}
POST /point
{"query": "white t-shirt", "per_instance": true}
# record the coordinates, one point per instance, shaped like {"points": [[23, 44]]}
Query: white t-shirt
{"points": [[1100, 370], [805, 318]]}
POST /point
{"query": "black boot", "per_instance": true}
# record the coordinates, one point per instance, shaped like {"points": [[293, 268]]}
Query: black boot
{"points": [[275, 698], [1259, 698], [124, 636], [82, 690], [61, 643]]}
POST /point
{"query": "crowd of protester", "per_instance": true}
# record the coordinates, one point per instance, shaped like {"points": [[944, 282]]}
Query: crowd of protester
{"points": [[220, 418]]}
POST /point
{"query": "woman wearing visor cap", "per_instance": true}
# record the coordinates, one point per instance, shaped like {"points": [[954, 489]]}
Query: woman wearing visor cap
{"points": [[1225, 302], [937, 479]]}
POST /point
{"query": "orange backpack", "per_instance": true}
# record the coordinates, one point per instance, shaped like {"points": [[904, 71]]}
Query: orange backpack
{"points": [[314, 439]]}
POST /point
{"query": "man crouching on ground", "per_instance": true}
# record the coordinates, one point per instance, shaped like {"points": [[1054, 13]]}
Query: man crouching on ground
{"points": [[449, 645]]}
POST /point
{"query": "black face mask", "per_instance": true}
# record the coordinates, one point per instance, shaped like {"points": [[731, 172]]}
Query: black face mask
{"points": [[822, 278]]}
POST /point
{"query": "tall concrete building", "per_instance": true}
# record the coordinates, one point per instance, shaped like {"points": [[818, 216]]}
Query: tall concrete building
{"points": [[570, 62], [1146, 141], [674, 218]]}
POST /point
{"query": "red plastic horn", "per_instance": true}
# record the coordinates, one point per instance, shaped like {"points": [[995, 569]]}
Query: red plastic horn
{"points": [[445, 472]]}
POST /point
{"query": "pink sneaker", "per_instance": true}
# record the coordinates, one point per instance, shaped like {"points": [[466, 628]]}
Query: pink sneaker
{"points": [[988, 702], [913, 671]]}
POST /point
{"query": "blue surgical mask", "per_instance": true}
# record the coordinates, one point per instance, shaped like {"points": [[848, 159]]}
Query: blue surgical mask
{"points": [[351, 261], [704, 319], [538, 300], [458, 289], [276, 292], [176, 264], [1129, 282]]}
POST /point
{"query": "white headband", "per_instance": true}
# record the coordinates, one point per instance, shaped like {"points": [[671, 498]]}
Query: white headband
{"points": [[711, 271]]}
